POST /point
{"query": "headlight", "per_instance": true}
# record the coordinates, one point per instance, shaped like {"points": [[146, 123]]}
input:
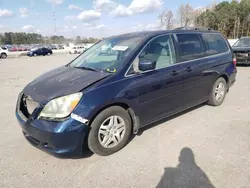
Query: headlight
{"points": [[61, 107]]}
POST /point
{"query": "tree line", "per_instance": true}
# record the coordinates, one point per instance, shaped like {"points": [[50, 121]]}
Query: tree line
{"points": [[80, 40], [35, 38], [232, 19]]}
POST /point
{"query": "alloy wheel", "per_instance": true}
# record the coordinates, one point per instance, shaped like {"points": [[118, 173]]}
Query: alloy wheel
{"points": [[220, 91]]}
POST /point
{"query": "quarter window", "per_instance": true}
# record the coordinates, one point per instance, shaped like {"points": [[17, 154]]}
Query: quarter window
{"points": [[215, 44], [190, 46]]}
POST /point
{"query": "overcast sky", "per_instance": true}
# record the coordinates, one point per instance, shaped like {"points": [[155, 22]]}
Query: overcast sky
{"points": [[97, 18]]}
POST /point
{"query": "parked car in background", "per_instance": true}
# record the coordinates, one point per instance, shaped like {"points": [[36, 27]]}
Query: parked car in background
{"points": [[53, 47], [232, 41], [241, 49], [88, 45], [40, 51], [3, 52], [76, 49], [60, 47], [101, 100]]}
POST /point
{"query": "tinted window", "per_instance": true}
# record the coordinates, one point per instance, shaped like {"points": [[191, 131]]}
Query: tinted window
{"points": [[190, 46], [215, 44]]}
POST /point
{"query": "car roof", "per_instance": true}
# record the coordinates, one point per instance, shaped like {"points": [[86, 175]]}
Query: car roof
{"points": [[153, 33]]}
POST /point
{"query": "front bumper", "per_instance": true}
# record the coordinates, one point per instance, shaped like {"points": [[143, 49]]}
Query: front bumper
{"points": [[61, 139], [243, 60]]}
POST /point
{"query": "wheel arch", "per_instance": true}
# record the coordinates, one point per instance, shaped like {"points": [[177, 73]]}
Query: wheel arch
{"points": [[225, 76], [125, 106]]}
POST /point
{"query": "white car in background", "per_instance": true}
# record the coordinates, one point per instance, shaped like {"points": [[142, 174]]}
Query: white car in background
{"points": [[88, 45], [76, 49], [3, 52], [232, 41]]}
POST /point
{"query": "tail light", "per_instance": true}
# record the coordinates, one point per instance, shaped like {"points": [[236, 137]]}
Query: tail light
{"points": [[234, 61]]}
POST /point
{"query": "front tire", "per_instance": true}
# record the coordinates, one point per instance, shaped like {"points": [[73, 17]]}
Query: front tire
{"points": [[3, 56], [218, 93], [110, 131]]}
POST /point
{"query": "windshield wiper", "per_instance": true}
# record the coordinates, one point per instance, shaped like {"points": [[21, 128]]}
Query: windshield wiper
{"points": [[87, 68]]}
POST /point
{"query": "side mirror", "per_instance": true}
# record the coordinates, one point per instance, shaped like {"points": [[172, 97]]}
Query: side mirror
{"points": [[146, 65]]}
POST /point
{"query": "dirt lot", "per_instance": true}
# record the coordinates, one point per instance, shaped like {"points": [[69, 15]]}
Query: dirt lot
{"points": [[217, 138]]}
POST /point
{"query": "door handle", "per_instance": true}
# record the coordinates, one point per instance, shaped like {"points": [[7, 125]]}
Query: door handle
{"points": [[174, 73], [189, 69]]}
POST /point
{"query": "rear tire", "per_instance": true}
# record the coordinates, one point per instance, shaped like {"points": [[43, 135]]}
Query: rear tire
{"points": [[218, 92], [35, 54], [110, 131]]}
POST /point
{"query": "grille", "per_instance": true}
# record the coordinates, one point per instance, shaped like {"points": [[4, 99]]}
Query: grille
{"points": [[31, 105], [22, 107], [242, 54], [27, 105]]}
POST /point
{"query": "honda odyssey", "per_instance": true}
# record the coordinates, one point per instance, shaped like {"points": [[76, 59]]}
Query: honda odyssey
{"points": [[101, 98]]}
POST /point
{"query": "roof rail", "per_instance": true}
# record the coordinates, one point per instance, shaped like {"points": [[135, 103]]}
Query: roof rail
{"points": [[193, 28]]}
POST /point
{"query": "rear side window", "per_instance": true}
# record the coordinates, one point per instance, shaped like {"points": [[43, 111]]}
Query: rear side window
{"points": [[215, 44], [190, 46]]}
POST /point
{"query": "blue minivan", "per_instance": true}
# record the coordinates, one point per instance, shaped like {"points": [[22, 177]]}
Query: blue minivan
{"points": [[122, 84]]}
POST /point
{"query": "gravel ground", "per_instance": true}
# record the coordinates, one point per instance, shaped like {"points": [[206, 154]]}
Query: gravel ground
{"points": [[206, 146]]}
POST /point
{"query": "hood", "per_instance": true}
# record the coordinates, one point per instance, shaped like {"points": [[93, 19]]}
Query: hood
{"points": [[61, 81]]}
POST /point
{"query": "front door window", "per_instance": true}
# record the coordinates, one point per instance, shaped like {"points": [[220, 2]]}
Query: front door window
{"points": [[159, 50]]}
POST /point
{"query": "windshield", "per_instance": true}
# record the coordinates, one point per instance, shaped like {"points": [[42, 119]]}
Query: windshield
{"points": [[109, 54], [243, 42]]}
